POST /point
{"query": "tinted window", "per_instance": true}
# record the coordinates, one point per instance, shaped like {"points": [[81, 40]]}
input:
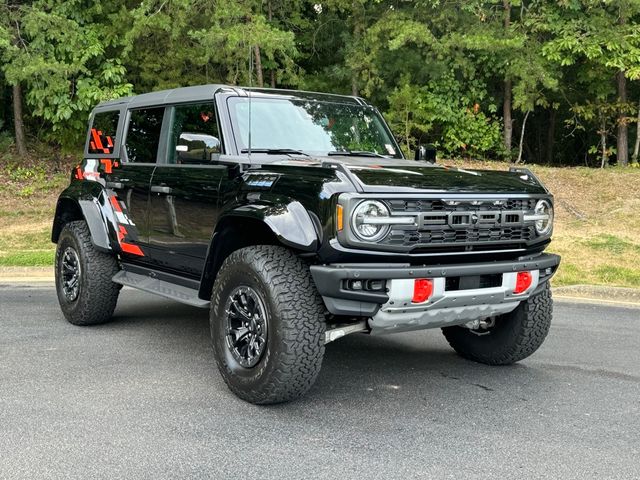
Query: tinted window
{"points": [[144, 134], [103, 133], [194, 134]]}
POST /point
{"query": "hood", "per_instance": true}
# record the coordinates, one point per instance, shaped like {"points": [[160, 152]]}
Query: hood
{"points": [[383, 175], [410, 176]]}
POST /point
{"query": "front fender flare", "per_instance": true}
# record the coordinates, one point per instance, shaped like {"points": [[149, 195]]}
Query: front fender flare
{"points": [[291, 223]]}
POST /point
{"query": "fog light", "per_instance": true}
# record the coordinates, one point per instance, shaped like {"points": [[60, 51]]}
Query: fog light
{"points": [[523, 282], [422, 290]]}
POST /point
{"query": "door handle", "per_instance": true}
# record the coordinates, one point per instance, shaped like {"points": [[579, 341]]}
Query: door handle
{"points": [[160, 189]]}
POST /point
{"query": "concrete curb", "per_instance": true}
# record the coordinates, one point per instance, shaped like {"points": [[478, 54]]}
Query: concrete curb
{"points": [[604, 293], [22, 275]]}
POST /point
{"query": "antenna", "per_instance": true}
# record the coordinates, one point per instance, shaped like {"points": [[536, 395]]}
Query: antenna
{"points": [[249, 93]]}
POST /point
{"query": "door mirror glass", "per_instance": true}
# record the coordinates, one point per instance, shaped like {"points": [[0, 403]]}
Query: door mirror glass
{"points": [[196, 147], [426, 153]]}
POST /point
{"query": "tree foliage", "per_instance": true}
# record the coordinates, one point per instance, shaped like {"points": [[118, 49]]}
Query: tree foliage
{"points": [[442, 72]]}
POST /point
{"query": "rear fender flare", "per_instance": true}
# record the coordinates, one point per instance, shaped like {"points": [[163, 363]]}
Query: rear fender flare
{"points": [[90, 202]]}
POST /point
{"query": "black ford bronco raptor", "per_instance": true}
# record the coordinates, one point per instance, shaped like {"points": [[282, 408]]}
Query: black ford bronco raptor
{"points": [[295, 218]]}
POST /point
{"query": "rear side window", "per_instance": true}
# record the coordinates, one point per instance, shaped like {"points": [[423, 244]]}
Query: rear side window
{"points": [[143, 135], [103, 133]]}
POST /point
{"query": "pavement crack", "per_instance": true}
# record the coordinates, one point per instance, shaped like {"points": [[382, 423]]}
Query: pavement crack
{"points": [[484, 387]]}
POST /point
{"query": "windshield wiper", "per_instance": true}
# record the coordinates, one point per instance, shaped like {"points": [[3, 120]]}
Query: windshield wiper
{"points": [[355, 153], [275, 151]]}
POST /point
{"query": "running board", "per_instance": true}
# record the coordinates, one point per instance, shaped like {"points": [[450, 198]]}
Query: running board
{"points": [[179, 293]]}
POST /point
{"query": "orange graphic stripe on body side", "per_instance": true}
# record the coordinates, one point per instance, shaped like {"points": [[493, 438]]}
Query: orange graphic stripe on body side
{"points": [[128, 247], [107, 165], [116, 204]]}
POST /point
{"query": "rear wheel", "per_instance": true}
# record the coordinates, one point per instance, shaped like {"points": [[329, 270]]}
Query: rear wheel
{"points": [[511, 337], [267, 325], [86, 294]]}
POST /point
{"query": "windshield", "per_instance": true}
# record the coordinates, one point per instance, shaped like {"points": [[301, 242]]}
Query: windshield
{"points": [[309, 126]]}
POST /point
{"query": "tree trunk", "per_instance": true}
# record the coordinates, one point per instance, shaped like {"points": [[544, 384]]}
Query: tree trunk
{"points": [[358, 28], [603, 143], [524, 125], [636, 147], [21, 143], [260, 78], [623, 128], [272, 72], [508, 121], [506, 106], [551, 135]]}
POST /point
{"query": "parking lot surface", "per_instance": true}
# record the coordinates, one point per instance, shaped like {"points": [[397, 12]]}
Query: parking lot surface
{"points": [[141, 398]]}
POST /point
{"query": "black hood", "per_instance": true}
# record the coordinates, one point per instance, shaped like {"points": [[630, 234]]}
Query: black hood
{"points": [[383, 175], [410, 176]]}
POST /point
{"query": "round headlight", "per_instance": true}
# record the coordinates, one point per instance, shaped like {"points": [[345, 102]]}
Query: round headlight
{"points": [[544, 225], [365, 218]]}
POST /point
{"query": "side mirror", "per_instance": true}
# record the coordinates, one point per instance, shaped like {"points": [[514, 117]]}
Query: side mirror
{"points": [[196, 148], [426, 153]]}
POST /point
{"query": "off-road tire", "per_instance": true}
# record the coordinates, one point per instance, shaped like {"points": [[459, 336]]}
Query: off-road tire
{"points": [[515, 336], [294, 348], [98, 295]]}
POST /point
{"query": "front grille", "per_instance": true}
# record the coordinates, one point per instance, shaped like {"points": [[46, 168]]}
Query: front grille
{"points": [[436, 205], [468, 224], [446, 235]]}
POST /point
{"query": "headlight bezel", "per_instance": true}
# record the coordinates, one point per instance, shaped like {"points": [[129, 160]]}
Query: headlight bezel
{"points": [[544, 207], [360, 211]]}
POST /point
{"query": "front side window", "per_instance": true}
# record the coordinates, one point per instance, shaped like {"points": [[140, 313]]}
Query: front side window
{"points": [[143, 134], [194, 134], [103, 133], [311, 126]]}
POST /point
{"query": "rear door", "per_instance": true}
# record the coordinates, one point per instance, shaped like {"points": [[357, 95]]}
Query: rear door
{"points": [[132, 178], [184, 200]]}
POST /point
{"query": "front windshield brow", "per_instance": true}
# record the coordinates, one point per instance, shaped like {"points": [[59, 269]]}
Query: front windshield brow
{"points": [[313, 127]]}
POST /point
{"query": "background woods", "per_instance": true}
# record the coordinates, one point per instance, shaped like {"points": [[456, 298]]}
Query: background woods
{"points": [[529, 81]]}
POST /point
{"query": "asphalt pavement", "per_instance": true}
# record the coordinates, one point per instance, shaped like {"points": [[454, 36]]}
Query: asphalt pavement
{"points": [[141, 398]]}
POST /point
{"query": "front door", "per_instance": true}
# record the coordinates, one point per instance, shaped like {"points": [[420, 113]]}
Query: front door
{"points": [[184, 198]]}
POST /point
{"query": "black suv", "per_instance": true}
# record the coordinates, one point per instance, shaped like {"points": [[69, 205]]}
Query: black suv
{"points": [[295, 218]]}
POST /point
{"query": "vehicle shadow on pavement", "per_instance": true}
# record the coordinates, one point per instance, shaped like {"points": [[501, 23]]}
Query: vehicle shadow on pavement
{"points": [[358, 367], [410, 364]]}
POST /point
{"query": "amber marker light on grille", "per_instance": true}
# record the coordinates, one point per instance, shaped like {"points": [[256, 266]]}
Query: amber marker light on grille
{"points": [[339, 217]]}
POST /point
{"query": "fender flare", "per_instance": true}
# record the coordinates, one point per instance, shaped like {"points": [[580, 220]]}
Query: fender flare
{"points": [[94, 208], [290, 223]]}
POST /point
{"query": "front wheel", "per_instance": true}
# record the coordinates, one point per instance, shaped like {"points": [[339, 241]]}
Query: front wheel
{"points": [[267, 325], [512, 337]]}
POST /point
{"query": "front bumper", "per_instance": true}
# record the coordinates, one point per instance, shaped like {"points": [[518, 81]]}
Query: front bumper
{"points": [[391, 310]]}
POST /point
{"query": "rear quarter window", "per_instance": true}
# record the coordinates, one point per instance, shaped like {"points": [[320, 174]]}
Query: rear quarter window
{"points": [[102, 135]]}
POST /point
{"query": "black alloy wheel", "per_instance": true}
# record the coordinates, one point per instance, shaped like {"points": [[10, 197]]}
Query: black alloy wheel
{"points": [[246, 326], [70, 272]]}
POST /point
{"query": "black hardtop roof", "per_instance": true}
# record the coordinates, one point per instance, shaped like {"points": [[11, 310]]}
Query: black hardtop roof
{"points": [[205, 92]]}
